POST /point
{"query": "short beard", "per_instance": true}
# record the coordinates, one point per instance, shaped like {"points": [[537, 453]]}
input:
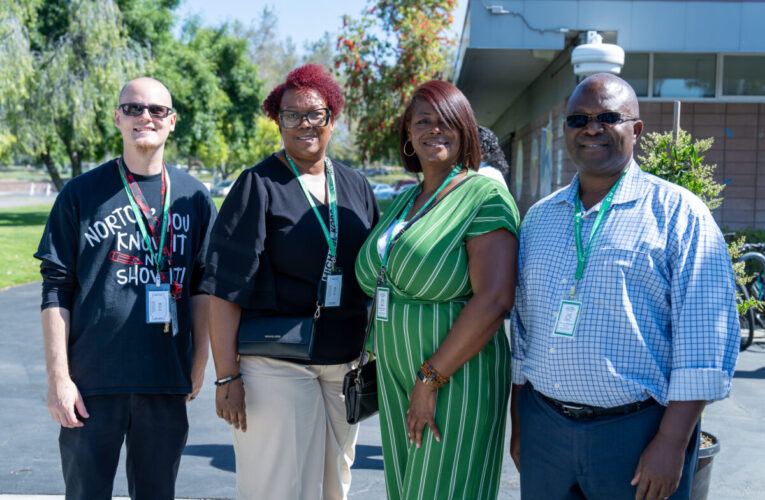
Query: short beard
{"points": [[146, 148]]}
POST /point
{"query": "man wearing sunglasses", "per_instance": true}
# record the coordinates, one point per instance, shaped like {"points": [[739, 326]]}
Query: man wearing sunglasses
{"points": [[625, 322], [125, 328]]}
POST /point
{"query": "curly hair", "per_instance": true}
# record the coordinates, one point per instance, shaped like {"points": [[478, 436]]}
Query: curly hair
{"points": [[491, 151], [454, 109], [306, 77]]}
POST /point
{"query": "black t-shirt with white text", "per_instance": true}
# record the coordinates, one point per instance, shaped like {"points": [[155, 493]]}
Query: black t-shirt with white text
{"points": [[96, 264]]}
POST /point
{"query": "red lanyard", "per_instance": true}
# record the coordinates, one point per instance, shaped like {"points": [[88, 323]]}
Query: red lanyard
{"points": [[156, 228]]}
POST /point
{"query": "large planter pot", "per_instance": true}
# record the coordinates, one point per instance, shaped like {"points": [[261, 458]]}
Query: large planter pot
{"points": [[703, 476]]}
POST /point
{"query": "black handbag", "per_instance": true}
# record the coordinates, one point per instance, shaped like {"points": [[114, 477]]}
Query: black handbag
{"points": [[277, 336], [360, 384], [360, 391]]}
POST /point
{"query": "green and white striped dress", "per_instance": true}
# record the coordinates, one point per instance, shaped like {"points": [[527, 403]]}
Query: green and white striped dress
{"points": [[429, 285]]}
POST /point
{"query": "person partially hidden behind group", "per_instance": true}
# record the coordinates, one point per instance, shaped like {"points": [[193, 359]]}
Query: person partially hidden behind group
{"points": [[441, 266], [268, 254]]}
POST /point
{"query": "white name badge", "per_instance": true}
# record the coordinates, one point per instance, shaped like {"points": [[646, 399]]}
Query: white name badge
{"points": [[383, 296], [568, 318], [158, 303], [334, 290]]}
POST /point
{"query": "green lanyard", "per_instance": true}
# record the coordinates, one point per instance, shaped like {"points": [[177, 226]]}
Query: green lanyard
{"points": [[581, 253], [408, 207], [142, 226], [329, 234]]}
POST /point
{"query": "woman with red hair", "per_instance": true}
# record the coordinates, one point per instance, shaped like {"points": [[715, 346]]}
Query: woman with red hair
{"points": [[284, 246], [441, 265]]}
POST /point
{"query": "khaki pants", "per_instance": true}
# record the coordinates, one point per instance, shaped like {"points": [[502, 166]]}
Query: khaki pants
{"points": [[298, 444]]}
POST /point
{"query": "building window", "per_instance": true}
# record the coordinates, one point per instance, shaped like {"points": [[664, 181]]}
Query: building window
{"points": [[744, 75], [635, 71], [684, 75]]}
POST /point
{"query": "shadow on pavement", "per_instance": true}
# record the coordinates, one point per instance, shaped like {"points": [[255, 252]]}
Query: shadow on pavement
{"points": [[221, 455], [368, 457], [759, 373]]}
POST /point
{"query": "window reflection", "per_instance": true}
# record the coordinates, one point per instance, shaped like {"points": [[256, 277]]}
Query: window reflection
{"points": [[744, 75], [635, 71], [684, 75]]}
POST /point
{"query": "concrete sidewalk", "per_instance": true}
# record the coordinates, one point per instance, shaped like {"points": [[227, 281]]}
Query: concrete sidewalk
{"points": [[29, 459]]}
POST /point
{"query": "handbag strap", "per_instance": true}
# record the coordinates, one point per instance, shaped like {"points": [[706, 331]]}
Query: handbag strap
{"points": [[370, 320]]}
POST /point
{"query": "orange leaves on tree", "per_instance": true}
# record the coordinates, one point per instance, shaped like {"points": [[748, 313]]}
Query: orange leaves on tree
{"points": [[394, 45]]}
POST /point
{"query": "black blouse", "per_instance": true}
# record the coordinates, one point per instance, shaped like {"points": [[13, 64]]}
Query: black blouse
{"points": [[267, 253]]}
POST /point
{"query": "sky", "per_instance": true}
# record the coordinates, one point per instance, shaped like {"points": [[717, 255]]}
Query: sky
{"points": [[303, 20]]}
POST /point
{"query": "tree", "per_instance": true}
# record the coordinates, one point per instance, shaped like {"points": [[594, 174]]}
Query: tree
{"points": [[395, 46], [16, 63], [80, 57], [217, 95], [681, 163], [273, 57]]}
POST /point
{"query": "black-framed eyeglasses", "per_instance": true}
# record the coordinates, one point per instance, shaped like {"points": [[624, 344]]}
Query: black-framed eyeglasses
{"points": [[155, 110], [316, 117], [608, 118]]}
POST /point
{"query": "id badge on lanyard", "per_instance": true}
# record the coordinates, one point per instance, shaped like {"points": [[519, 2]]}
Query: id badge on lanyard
{"points": [[158, 303], [568, 318], [334, 288], [382, 299], [570, 309]]}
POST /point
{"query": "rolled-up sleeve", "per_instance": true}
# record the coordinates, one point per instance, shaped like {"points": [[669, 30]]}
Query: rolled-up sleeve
{"points": [[705, 325]]}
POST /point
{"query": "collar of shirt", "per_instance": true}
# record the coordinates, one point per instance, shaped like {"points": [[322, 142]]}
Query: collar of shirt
{"points": [[629, 190]]}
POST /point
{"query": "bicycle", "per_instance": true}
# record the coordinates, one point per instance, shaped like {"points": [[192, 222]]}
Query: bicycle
{"points": [[746, 320], [754, 266]]}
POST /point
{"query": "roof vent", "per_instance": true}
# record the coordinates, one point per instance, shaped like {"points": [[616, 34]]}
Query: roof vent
{"points": [[597, 57]]}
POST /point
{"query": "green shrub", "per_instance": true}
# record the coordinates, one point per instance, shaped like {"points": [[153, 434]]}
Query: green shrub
{"points": [[681, 163]]}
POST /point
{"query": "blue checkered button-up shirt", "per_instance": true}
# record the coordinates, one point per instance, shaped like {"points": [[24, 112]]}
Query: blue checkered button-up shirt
{"points": [[658, 316]]}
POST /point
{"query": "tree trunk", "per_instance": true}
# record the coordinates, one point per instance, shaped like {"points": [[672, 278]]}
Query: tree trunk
{"points": [[75, 157], [52, 171]]}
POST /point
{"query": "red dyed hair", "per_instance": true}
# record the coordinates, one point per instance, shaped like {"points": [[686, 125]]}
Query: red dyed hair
{"points": [[454, 109], [306, 77]]}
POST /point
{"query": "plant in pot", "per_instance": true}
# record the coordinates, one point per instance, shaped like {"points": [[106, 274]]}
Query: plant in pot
{"points": [[680, 162]]}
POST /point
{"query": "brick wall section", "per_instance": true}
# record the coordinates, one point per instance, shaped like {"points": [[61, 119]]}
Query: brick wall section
{"points": [[738, 151]]}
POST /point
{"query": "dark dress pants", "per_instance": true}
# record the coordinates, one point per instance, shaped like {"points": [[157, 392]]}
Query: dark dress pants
{"points": [[154, 428], [590, 459]]}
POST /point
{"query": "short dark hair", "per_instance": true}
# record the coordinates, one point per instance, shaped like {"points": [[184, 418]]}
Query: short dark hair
{"points": [[491, 151], [454, 109], [306, 77]]}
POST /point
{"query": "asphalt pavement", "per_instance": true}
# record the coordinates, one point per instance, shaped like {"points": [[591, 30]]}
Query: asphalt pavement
{"points": [[30, 466]]}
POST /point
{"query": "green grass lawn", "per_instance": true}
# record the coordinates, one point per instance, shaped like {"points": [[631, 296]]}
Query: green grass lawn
{"points": [[20, 231]]}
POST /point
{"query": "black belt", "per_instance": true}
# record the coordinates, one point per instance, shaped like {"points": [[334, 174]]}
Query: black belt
{"points": [[576, 411]]}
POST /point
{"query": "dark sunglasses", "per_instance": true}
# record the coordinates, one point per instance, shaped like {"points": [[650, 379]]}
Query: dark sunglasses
{"points": [[155, 110], [316, 118], [607, 118]]}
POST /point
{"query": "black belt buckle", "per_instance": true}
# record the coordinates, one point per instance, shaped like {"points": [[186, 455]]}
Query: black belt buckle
{"points": [[577, 412]]}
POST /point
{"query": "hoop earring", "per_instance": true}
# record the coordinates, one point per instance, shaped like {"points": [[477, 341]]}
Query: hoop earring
{"points": [[404, 150]]}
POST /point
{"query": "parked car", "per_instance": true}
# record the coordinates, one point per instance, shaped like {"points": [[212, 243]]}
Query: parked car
{"points": [[403, 189], [408, 181], [222, 188], [382, 191]]}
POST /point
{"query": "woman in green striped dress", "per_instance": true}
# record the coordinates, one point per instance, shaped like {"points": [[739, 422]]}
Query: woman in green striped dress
{"points": [[441, 265]]}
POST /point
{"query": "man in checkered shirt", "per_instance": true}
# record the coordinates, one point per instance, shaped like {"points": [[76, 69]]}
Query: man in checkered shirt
{"points": [[625, 323]]}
